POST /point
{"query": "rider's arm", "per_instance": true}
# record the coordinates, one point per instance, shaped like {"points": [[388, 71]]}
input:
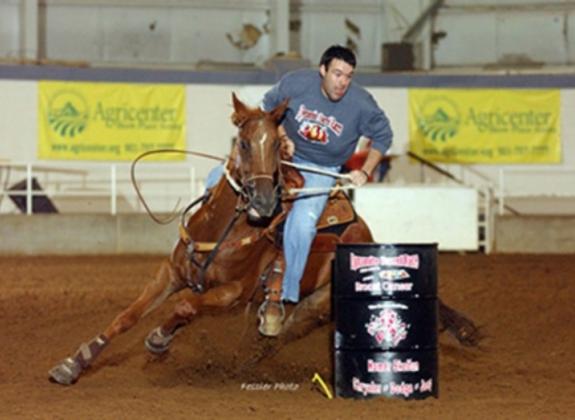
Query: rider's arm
{"points": [[360, 176], [375, 126]]}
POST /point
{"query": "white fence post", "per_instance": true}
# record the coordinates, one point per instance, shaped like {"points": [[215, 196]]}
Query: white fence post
{"points": [[113, 190], [29, 189], [489, 220], [501, 192]]}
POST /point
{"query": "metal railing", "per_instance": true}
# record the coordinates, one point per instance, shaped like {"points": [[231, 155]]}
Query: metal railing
{"points": [[535, 182], [162, 184]]}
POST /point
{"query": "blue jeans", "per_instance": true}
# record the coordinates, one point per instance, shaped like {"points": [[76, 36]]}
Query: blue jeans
{"points": [[214, 176], [300, 227]]}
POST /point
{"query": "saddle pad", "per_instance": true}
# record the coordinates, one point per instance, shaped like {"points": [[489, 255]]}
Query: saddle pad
{"points": [[337, 211]]}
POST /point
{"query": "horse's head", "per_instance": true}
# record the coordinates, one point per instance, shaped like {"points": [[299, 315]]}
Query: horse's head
{"points": [[257, 156]]}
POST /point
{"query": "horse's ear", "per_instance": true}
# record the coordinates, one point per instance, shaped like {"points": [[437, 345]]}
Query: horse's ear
{"points": [[241, 111], [278, 112]]}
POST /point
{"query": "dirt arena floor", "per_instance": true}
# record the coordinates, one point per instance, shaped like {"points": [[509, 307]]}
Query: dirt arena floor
{"points": [[525, 368]]}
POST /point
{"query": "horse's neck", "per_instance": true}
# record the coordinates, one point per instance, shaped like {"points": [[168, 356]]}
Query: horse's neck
{"points": [[210, 221], [223, 198]]}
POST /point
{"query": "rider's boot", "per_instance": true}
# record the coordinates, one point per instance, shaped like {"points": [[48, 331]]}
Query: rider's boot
{"points": [[271, 313]]}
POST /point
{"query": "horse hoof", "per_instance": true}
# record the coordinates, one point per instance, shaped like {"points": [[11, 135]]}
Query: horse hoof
{"points": [[469, 336], [158, 343], [66, 373], [271, 317]]}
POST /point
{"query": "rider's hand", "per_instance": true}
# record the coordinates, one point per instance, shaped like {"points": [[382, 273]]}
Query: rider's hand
{"points": [[287, 146], [358, 177]]}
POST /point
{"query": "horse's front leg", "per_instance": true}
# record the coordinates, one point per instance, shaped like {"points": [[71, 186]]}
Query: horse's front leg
{"points": [[189, 308], [166, 282]]}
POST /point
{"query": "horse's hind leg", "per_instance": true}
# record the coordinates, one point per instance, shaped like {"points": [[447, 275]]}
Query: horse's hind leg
{"points": [[191, 306], [165, 284], [309, 314], [458, 325]]}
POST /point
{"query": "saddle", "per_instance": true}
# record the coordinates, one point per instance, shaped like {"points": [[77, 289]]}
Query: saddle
{"points": [[337, 215]]}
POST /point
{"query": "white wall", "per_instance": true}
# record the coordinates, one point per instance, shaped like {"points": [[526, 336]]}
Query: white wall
{"points": [[172, 32], [323, 23], [209, 126], [416, 214], [18, 120], [9, 29], [153, 32], [504, 36]]}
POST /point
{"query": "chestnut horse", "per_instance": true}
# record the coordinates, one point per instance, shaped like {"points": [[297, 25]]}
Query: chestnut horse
{"points": [[226, 248]]}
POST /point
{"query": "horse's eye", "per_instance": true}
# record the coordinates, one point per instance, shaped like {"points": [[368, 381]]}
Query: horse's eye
{"points": [[244, 145]]}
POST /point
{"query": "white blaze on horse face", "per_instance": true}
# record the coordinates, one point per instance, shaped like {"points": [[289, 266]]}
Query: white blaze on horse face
{"points": [[262, 150]]}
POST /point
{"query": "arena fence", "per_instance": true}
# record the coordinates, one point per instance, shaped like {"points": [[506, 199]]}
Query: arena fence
{"points": [[540, 183], [106, 188], [95, 187]]}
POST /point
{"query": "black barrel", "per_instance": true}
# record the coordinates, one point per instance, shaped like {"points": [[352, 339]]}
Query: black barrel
{"points": [[385, 298]]}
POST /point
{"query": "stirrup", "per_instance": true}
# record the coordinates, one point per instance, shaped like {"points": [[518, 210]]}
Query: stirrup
{"points": [[270, 324]]}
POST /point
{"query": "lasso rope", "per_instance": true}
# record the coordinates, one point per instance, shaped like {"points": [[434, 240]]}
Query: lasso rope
{"points": [[319, 171], [232, 181], [311, 190], [175, 213], [346, 177]]}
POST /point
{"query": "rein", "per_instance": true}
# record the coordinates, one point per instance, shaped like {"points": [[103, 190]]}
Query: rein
{"points": [[200, 285]]}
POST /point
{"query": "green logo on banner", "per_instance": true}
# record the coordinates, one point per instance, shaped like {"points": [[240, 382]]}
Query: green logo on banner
{"points": [[439, 119], [68, 114]]}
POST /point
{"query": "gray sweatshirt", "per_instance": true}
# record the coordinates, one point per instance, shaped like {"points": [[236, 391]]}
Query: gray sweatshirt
{"points": [[327, 132]]}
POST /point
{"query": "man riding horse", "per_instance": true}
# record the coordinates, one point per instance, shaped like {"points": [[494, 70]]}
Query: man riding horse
{"points": [[226, 247], [327, 114]]}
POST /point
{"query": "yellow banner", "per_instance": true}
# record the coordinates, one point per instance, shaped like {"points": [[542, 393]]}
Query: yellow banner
{"points": [[110, 121], [485, 125]]}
